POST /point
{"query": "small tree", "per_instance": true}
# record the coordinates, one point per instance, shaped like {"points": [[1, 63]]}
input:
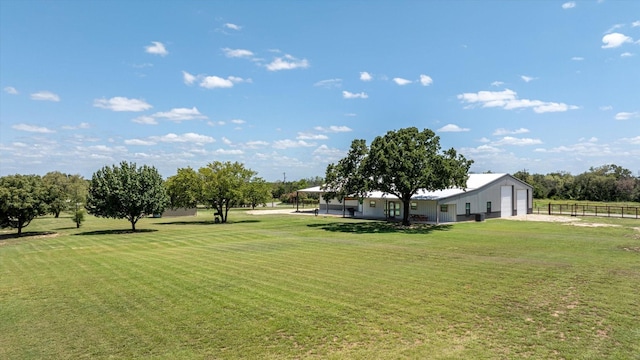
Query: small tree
{"points": [[126, 192], [223, 185], [78, 217], [57, 185], [22, 198], [257, 192], [184, 188]]}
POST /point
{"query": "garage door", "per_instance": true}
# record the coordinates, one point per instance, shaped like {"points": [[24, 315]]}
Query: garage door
{"points": [[521, 202], [506, 201]]}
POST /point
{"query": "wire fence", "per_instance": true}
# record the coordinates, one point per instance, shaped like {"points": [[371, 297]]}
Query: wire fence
{"points": [[621, 211]]}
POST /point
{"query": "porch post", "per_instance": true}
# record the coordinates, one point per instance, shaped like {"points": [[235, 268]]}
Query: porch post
{"points": [[297, 206]]}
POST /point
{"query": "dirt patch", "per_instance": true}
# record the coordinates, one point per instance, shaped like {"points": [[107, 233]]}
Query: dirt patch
{"points": [[289, 212], [26, 236], [593, 225], [546, 218], [632, 248]]}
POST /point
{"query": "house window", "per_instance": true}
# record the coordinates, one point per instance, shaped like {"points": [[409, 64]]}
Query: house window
{"points": [[488, 206], [444, 208], [414, 206], [372, 203], [467, 208]]}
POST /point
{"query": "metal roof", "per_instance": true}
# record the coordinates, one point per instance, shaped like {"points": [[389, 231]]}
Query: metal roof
{"points": [[475, 181]]}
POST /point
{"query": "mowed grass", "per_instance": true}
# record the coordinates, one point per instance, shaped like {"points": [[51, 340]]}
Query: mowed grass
{"points": [[282, 286]]}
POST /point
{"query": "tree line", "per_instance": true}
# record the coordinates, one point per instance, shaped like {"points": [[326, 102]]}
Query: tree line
{"points": [[126, 191], [608, 183]]}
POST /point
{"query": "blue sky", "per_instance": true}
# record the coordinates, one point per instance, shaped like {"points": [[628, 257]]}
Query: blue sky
{"points": [[284, 86]]}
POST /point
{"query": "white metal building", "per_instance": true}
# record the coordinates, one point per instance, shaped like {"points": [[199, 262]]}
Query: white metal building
{"points": [[486, 196]]}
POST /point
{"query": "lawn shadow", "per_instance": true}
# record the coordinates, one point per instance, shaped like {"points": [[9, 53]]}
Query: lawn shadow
{"points": [[206, 222], [379, 227], [116, 232], [28, 234]]}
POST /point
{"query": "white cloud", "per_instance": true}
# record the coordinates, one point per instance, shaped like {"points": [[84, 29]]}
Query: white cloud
{"points": [[45, 96], [627, 115], [83, 125], [526, 78], [212, 82], [510, 140], [329, 83], [452, 128], [626, 54], [141, 66], [425, 80], [577, 58], [238, 121], [287, 62], [107, 149], [145, 120], [287, 143], [614, 27], [256, 144], [216, 123], [484, 140], [233, 26], [11, 90], [508, 100], [120, 103], [156, 49], [606, 108], [497, 83], [569, 5], [32, 128], [350, 95], [139, 142], [583, 149], [634, 140], [180, 114], [237, 53], [501, 131], [635, 23], [311, 136], [184, 138], [326, 154], [365, 76], [226, 141], [482, 149], [228, 152], [333, 129], [401, 81], [188, 79], [615, 40]]}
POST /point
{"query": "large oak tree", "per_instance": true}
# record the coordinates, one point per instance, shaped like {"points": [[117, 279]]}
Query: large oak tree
{"points": [[126, 192], [399, 163]]}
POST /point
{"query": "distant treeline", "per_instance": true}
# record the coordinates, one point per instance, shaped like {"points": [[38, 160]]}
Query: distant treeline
{"points": [[287, 191], [603, 183]]}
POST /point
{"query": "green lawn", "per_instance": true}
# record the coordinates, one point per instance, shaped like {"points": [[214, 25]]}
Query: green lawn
{"points": [[282, 286]]}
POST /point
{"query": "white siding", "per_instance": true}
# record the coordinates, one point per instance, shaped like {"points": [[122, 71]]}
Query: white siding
{"points": [[450, 215], [521, 202], [506, 201], [373, 212]]}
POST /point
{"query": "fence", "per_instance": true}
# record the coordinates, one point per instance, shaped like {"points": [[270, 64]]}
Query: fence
{"points": [[620, 211]]}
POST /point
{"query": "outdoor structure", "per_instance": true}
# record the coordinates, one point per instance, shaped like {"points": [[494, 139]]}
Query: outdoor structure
{"points": [[486, 196], [180, 212]]}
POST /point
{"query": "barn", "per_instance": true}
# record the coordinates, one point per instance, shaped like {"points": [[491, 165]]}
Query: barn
{"points": [[485, 196]]}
